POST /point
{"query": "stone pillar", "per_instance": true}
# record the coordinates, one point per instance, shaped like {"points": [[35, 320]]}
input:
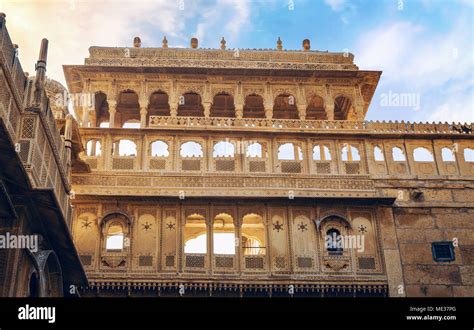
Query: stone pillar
{"points": [[329, 108], [207, 109], [358, 112], [173, 110], [143, 113], [301, 110], [239, 111], [68, 141], [112, 111], [85, 117], [391, 253]]}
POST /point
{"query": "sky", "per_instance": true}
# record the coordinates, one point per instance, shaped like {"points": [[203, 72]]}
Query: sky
{"points": [[424, 47]]}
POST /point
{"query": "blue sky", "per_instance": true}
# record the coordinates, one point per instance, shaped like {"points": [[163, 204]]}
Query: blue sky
{"points": [[424, 47]]}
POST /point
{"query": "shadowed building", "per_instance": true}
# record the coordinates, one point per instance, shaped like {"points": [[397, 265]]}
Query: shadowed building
{"points": [[37, 254]]}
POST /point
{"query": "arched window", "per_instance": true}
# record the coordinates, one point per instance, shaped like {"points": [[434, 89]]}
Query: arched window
{"points": [[158, 104], [422, 154], [253, 107], [128, 108], [191, 149], [315, 109], [321, 152], [223, 106], [334, 242], [350, 153], [124, 148], [224, 234], [159, 149], [289, 151], [189, 104], [398, 155], [342, 106], [254, 150], [378, 154], [253, 235], [33, 286], [447, 155], [223, 149], [93, 148], [284, 107], [195, 235], [115, 238], [468, 155], [101, 109]]}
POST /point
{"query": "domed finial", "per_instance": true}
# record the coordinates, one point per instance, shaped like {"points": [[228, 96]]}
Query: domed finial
{"points": [[137, 42], [194, 43], [165, 42], [223, 42], [306, 45], [279, 44]]}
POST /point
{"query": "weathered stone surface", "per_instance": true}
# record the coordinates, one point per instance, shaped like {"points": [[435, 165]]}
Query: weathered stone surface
{"points": [[455, 220], [414, 221], [467, 253], [429, 291], [394, 272], [467, 274], [432, 274], [408, 235], [387, 228], [464, 195], [464, 236], [416, 253], [463, 291]]}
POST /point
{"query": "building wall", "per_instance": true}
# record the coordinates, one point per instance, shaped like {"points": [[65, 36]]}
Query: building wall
{"points": [[416, 229]]}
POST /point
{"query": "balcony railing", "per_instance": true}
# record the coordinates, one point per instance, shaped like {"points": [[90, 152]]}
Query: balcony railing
{"points": [[318, 125]]}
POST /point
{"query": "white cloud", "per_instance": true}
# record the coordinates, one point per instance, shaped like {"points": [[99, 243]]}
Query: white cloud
{"points": [[438, 65], [407, 51], [72, 26], [336, 5]]}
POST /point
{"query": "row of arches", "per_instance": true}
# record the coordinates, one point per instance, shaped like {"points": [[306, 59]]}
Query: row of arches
{"points": [[286, 151], [190, 104], [225, 239]]}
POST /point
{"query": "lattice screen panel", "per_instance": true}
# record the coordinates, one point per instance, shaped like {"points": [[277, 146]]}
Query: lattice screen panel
{"points": [[145, 261], [323, 167], [257, 166], [28, 128], [157, 164], [254, 262], [191, 164], [224, 262], [304, 262], [352, 168], [169, 261], [225, 165], [122, 163], [366, 263], [291, 167], [195, 261]]}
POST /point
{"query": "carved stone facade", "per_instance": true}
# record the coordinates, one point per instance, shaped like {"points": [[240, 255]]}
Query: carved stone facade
{"points": [[270, 148], [36, 154]]}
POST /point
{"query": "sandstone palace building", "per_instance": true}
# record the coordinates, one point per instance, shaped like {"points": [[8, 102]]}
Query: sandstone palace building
{"points": [[221, 172]]}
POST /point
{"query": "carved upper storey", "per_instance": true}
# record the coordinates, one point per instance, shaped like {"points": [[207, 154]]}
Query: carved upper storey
{"points": [[219, 58]]}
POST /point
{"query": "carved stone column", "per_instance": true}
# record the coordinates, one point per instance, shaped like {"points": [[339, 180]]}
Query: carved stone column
{"points": [[207, 109], [173, 110], [112, 111], [143, 113], [85, 117], [329, 108], [239, 111], [301, 110], [358, 111]]}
